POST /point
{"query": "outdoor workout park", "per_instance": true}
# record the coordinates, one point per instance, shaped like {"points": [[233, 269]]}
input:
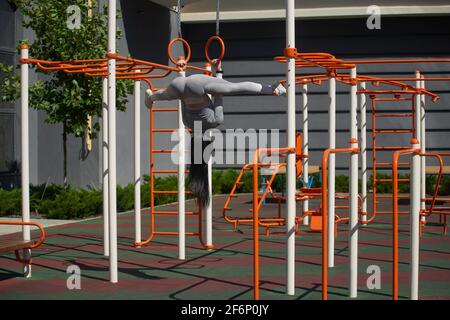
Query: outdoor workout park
{"points": [[297, 241]]}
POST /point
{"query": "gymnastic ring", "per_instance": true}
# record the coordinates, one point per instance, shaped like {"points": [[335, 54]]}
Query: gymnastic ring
{"points": [[185, 43], [222, 51]]}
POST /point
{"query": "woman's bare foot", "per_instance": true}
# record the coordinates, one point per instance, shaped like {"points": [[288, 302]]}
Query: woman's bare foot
{"points": [[148, 98]]}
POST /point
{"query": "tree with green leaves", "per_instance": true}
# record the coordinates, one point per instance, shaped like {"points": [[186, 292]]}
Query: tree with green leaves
{"points": [[68, 99]]}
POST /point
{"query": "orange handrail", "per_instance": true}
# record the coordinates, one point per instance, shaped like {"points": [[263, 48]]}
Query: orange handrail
{"points": [[395, 159], [395, 197], [34, 224], [325, 158]]}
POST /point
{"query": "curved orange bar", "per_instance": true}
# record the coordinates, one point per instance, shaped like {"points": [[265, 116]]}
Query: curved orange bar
{"points": [[34, 224], [395, 162]]}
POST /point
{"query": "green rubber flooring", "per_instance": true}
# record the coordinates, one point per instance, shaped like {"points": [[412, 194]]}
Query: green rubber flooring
{"points": [[154, 272]]}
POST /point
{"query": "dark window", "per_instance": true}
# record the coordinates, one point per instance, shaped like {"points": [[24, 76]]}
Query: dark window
{"points": [[6, 142], [7, 110]]}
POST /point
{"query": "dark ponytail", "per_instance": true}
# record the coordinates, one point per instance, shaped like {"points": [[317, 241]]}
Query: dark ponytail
{"points": [[198, 182]]}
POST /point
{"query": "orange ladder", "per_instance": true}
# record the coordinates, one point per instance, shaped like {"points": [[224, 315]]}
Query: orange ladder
{"points": [[153, 192], [376, 148]]}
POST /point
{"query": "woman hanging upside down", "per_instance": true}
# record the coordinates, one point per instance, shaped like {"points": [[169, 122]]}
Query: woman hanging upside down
{"points": [[202, 101]]}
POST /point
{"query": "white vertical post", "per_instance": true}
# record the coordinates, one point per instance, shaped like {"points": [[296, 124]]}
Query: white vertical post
{"points": [[181, 183], [291, 176], [423, 149], [305, 149], [415, 200], [414, 222], [363, 126], [25, 178], [353, 225], [105, 159], [113, 269], [137, 161], [331, 168], [208, 209]]}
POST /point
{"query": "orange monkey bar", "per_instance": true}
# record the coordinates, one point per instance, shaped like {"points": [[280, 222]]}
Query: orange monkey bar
{"points": [[126, 68], [314, 59], [332, 64]]}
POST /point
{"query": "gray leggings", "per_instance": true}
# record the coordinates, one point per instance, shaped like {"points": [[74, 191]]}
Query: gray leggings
{"points": [[194, 93]]}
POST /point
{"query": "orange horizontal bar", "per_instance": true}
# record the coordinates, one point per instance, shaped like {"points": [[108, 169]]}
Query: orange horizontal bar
{"points": [[390, 148], [169, 192], [163, 151], [393, 115], [164, 109], [389, 196], [390, 212], [174, 233], [393, 130], [167, 171], [175, 212], [164, 130]]}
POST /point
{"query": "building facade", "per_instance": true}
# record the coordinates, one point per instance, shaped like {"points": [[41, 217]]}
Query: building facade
{"points": [[251, 47]]}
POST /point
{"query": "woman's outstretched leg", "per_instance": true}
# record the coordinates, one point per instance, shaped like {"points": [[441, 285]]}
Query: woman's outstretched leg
{"points": [[172, 92], [223, 87]]}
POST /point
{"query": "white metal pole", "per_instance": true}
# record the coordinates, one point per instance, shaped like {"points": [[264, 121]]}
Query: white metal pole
{"points": [[137, 161], [415, 220], [181, 183], [105, 160], [331, 169], [291, 177], [208, 209], [305, 149], [25, 183], [353, 225], [415, 201], [363, 126], [423, 149], [113, 269]]}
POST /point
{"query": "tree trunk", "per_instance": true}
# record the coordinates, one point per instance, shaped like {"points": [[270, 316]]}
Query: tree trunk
{"points": [[65, 155]]}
